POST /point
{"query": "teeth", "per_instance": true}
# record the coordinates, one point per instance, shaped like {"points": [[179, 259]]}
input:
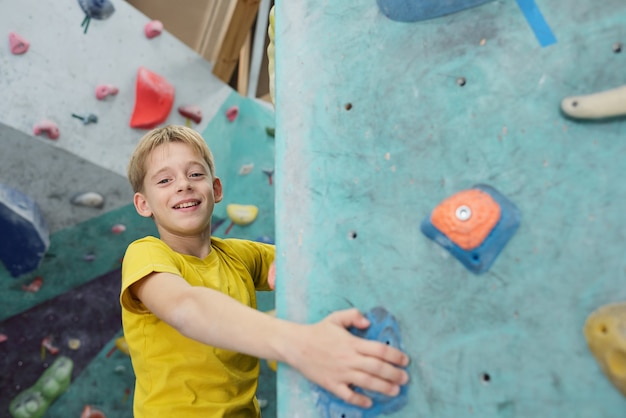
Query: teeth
{"points": [[186, 205]]}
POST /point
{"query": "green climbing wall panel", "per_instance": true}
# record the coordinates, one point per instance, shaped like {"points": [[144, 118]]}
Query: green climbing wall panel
{"points": [[378, 121]]}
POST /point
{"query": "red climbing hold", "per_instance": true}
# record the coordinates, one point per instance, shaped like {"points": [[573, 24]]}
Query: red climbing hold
{"points": [[104, 90], [232, 113], [192, 112], [18, 44], [153, 29], [154, 98], [48, 127]]}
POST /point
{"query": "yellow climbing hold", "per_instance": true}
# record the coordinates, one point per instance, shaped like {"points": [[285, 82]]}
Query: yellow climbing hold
{"points": [[607, 341], [270, 54], [242, 214], [121, 345]]}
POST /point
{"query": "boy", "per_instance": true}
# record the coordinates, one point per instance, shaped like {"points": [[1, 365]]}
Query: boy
{"points": [[189, 307]]}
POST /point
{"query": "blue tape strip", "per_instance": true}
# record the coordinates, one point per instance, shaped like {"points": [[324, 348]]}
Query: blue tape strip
{"points": [[537, 22]]}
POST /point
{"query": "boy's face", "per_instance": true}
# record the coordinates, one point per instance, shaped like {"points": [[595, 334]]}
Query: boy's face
{"points": [[179, 192]]}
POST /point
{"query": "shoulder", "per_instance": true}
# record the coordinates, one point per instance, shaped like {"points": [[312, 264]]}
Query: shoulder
{"points": [[241, 247]]}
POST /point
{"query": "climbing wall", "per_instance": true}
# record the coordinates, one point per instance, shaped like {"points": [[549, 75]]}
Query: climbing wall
{"points": [[68, 306], [380, 121]]}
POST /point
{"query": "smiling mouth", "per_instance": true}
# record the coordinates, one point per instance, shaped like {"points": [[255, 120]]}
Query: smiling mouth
{"points": [[186, 205]]}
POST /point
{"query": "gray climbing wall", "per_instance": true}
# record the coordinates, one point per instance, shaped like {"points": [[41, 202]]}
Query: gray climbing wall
{"points": [[375, 128]]}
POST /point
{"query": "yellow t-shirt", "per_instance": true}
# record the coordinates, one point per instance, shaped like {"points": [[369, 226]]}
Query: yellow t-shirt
{"points": [[175, 375]]}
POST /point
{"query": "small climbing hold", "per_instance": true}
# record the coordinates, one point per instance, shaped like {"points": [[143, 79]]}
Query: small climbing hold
{"points": [[232, 113], [240, 215], [413, 10], [153, 29], [18, 44], [87, 118], [191, 112], [90, 412], [3, 338], [154, 98], [601, 105], [269, 173], [73, 343], [270, 131], [246, 169], [88, 199], [105, 90], [34, 286], [617, 47], [47, 127], [118, 229], [96, 9], [46, 344]]}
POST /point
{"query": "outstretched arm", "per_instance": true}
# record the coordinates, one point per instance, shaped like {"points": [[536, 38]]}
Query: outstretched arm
{"points": [[325, 352]]}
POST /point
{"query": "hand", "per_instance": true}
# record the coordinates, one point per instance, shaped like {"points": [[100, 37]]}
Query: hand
{"points": [[330, 356]]}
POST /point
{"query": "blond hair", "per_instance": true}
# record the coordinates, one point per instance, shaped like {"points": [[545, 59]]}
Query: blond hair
{"points": [[165, 135]]}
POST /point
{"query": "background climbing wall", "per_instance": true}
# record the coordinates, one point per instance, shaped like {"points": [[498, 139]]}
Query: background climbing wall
{"points": [[378, 121], [78, 300]]}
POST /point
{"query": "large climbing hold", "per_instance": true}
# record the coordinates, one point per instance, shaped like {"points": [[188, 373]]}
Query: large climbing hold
{"points": [[154, 98], [474, 225], [604, 331], [25, 236], [383, 328], [600, 105], [18, 44], [416, 10], [34, 401]]}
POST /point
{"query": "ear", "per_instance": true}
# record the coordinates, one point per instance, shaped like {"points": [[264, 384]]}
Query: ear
{"points": [[141, 205], [217, 190]]}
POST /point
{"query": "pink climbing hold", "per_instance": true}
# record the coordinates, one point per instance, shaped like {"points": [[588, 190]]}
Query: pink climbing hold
{"points": [[154, 98], [192, 112], [232, 113], [47, 127], [18, 44], [104, 90], [153, 29]]}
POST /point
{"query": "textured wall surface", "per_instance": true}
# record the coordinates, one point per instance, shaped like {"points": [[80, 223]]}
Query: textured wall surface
{"points": [[375, 128]]}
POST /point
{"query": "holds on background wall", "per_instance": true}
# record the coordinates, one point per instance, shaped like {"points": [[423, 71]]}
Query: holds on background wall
{"points": [[416, 10], [47, 127], [25, 235], [88, 200], [105, 90], [18, 44], [232, 113], [154, 98], [153, 29], [383, 328], [34, 401], [604, 332], [191, 113], [473, 225], [86, 118], [604, 104], [240, 215], [96, 9], [91, 412]]}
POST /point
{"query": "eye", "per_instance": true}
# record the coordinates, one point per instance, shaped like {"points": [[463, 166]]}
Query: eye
{"points": [[163, 181], [196, 175]]}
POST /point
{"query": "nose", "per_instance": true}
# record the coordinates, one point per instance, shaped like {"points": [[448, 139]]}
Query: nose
{"points": [[184, 184]]}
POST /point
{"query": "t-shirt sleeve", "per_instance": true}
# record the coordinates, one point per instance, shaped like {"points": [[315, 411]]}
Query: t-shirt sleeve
{"points": [[258, 257], [143, 257]]}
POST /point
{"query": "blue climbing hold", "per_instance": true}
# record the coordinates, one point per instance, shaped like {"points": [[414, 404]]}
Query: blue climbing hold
{"points": [[416, 10], [384, 328], [95, 9], [25, 236]]}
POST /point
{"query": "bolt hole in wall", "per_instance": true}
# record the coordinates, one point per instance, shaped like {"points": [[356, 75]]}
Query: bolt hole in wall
{"points": [[617, 47], [348, 106], [352, 235], [485, 378]]}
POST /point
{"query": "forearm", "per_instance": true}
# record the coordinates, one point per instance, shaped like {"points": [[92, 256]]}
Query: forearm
{"points": [[216, 319]]}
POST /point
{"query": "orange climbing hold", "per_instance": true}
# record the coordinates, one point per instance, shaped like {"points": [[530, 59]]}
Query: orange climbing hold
{"points": [[154, 98], [467, 217]]}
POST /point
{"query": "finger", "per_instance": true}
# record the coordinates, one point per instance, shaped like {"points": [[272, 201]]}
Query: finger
{"points": [[383, 352], [371, 383], [349, 318], [380, 372], [348, 395]]}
